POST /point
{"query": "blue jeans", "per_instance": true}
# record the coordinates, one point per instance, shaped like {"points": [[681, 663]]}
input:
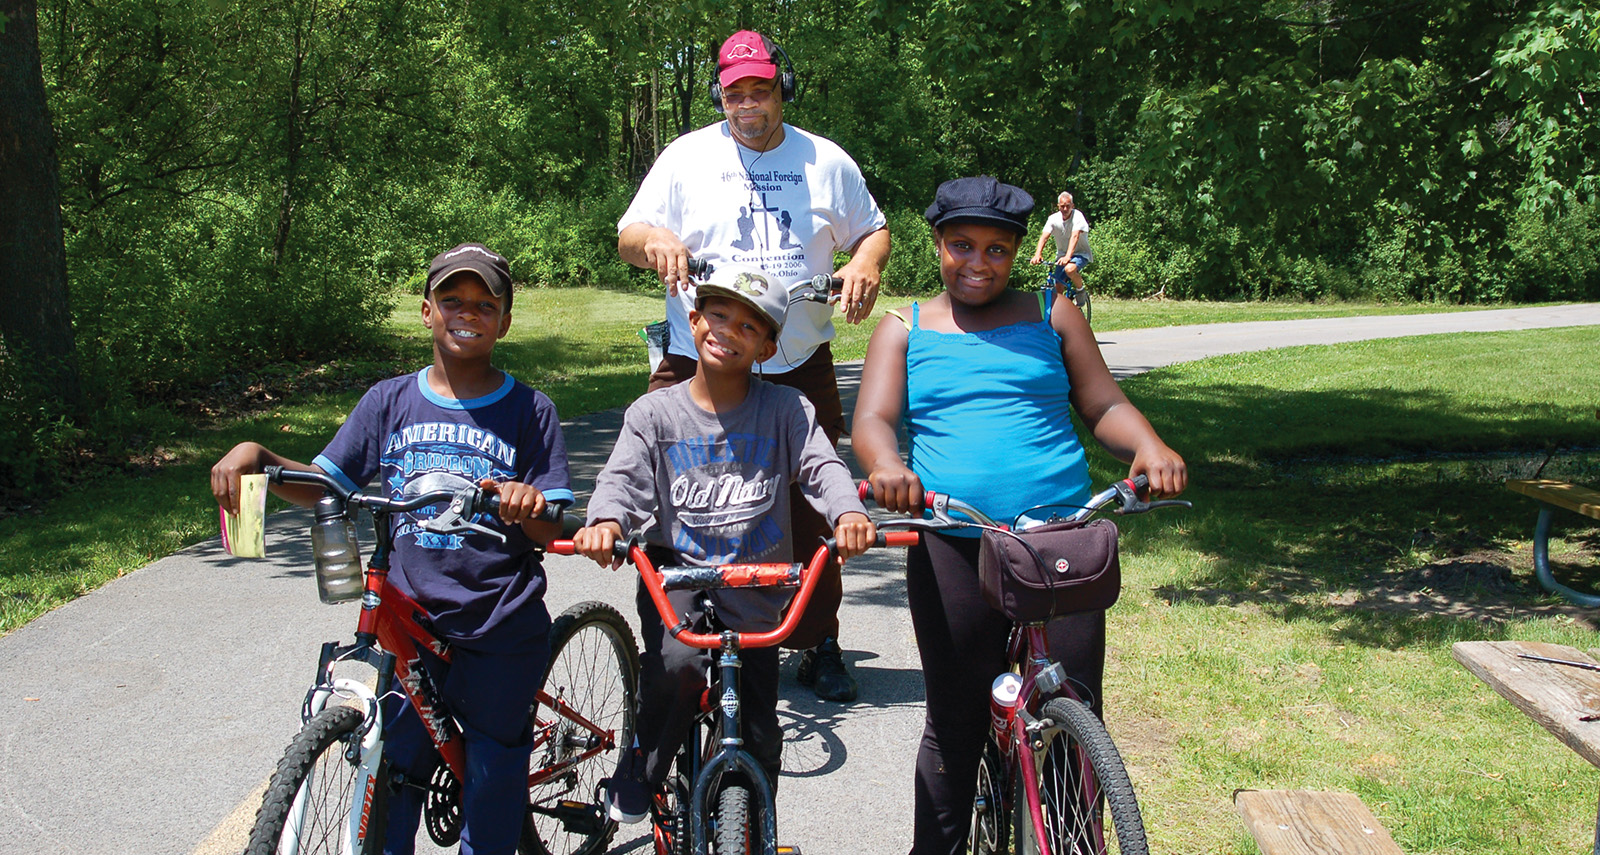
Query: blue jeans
{"points": [[490, 695]]}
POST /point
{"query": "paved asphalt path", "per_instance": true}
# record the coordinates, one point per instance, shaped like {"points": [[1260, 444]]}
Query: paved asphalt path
{"points": [[144, 717]]}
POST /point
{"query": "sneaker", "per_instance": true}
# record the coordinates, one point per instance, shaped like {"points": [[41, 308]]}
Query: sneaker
{"points": [[627, 796], [823, 669]]}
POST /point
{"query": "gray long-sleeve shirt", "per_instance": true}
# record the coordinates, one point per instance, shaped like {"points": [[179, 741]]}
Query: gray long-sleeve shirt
{"points": [[714, 487]]}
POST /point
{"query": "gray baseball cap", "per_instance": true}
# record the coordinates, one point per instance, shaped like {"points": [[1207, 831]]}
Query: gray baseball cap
{"points": [[751, 287]]}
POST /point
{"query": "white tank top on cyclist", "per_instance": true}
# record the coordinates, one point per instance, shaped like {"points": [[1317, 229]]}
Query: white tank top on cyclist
{"points": [[786, 211], [1056, 228]]}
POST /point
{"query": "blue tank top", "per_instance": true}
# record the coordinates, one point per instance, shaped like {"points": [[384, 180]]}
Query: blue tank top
{"points": [[989, 418]]}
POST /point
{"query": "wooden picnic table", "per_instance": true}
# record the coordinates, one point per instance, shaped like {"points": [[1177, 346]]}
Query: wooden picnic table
{"points": [[1563, 698], [1551, 495]]}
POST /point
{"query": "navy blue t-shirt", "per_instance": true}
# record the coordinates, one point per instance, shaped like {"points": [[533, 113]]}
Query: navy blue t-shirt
{"points": [[482, 594]]}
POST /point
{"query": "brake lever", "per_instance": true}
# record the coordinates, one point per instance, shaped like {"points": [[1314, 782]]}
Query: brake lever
{"points": [[454, 518], [1132, 503]]}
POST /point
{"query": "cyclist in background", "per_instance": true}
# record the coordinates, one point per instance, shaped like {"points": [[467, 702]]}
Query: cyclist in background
{"points": [[457, 422], [752, 190], [976, 373], [1070, 231]]}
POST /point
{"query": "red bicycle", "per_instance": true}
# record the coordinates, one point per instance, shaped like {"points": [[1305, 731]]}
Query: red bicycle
{"points": [[717, 793], [330, 790], [1050, 776]]}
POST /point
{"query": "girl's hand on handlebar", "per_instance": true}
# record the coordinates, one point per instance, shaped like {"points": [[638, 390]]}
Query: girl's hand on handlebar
{"points": [[853, 535], [896, 488], [1165, 469], [597, 542]]}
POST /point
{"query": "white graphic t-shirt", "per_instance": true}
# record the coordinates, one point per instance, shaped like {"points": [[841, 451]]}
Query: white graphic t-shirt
{"points": [[785, 211]]}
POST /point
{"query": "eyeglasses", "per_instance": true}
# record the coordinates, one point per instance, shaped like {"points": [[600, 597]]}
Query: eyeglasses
{"points": [[758, 95]]}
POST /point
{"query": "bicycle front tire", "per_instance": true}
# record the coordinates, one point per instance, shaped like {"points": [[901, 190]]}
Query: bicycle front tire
{"points": [[594, 668], [734, 829], [989, 833], [1085, 796], [316, 771]]}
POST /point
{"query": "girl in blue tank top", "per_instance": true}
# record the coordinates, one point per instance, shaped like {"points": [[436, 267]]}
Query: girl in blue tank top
{"points": [[985, 383]]}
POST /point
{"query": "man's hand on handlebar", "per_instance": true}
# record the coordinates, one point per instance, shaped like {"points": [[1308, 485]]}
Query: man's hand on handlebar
{"points": [[853, 535], [670, 258], [860, 292], [898, 489], [598, 542]]}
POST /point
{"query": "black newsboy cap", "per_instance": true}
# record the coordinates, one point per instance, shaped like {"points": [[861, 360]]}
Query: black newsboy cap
{"points": [[981, 199]]}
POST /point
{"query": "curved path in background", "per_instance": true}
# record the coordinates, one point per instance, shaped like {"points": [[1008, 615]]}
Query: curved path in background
{"points": [[144, 717]]}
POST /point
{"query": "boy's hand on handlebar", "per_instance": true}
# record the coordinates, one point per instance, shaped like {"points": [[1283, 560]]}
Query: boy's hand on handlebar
{"points": [[860, 290], [597, 542], [1165, 469], [519, 502], [668, 255], [854, 534], [897, 489]]}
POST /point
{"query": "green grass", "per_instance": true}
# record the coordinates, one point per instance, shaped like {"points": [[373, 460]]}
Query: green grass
{"points": [[1247, 650]]}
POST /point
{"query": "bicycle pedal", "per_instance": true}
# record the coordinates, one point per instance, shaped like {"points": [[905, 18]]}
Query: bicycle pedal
{"points": [[789, 850]]}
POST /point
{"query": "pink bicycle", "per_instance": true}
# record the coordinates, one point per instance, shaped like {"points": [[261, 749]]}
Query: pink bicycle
{"points": [[1051, 780]]}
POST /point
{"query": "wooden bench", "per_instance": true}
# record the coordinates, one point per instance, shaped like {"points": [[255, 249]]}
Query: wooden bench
{"points": [[1302, 822], [1557, 494]]}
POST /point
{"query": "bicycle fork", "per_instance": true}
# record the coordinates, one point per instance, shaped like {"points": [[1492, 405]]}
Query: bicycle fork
{"points": [[731, 757]]}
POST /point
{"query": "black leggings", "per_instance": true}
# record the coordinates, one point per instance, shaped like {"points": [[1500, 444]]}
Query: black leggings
{"points": [[962, 643]]}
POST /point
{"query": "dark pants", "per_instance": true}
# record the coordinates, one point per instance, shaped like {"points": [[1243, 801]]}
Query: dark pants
{"points": [[672, 677], [491, 695], [815, 379], [962, 643]]}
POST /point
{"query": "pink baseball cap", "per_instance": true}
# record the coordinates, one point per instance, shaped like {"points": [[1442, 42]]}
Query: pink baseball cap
{"points": [[745, 54]]}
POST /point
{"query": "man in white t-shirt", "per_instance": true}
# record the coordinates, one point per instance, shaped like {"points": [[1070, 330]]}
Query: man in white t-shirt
{"points": [[1071, 233], [752, 190]]}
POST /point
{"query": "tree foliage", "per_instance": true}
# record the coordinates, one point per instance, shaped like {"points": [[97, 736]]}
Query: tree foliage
{"points": [[247, 181]]}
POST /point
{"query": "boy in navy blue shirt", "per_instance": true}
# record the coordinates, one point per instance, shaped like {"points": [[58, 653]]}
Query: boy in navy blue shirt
{"points": [[458, 421]]}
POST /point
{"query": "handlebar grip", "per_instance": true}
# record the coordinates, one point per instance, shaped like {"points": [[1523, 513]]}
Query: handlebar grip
{"points": [[864, 491], [700, 267], [897, 538], [274, 474]]}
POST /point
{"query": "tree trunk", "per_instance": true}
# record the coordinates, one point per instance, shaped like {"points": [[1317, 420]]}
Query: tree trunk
{"points": [[36, 326]]}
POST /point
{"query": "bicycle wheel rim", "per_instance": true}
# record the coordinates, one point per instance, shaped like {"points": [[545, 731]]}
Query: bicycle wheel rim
{"points": [[1086, 801], [593, 669]]}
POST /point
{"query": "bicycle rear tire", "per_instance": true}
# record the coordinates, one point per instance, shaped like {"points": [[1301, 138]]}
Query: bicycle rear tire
{"points": [[734, 821], [594, 668], [1085, 795], [316, 762]]}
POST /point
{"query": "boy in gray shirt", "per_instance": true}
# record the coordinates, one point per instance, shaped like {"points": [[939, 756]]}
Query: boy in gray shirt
{"points": [[702, 469]]}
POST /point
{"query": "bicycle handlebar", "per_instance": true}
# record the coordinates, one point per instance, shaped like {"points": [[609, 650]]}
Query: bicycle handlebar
{"points": [[657, 582], [824, 288], [461, 505], [1128, 494]]}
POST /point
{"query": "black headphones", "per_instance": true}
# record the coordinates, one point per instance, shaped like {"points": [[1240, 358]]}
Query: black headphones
{"points": [[786, 84]]}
